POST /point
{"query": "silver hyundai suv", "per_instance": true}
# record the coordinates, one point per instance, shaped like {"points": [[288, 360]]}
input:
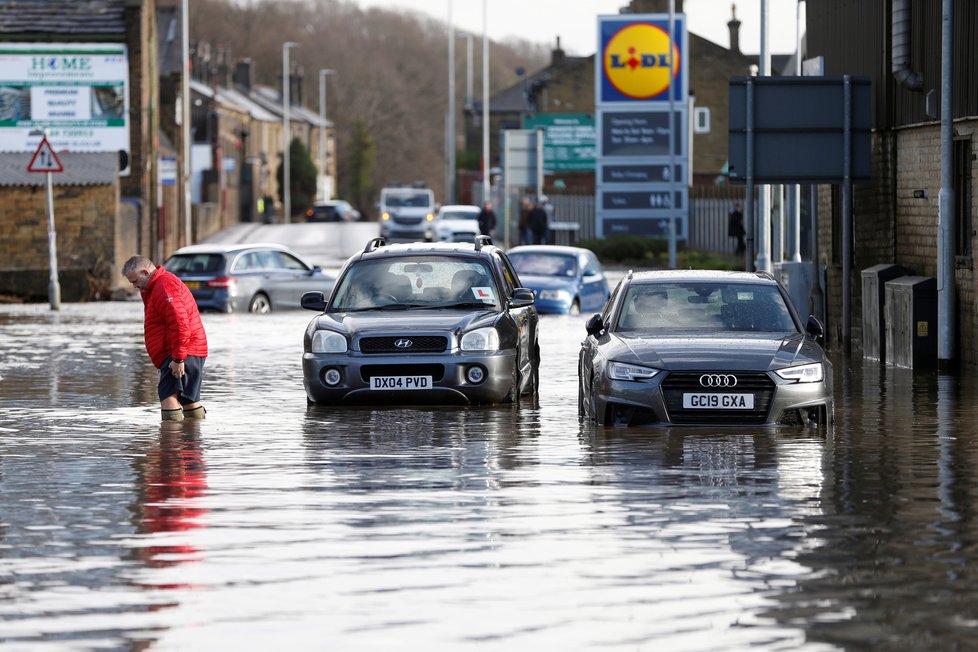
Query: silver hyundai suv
{"points": [[423, 322]]}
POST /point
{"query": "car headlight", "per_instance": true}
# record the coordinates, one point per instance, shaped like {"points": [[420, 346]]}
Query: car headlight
{"points": [[328, 342], [554, 295], [481, 339], [806, 373], [622, 371]]}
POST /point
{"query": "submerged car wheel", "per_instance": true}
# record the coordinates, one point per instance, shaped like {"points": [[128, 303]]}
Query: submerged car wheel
{"points": [[514, 390], [260, 304]]}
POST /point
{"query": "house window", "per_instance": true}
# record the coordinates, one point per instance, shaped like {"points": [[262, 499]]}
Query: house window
{"points": [[701, 120], [961, 170]]}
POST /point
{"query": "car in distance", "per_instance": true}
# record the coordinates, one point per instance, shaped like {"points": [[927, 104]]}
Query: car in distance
{"points": [[566, 280], [422, 322], [406, 212], [333, 210], [698, 347], [454, 223], [255, 278]]}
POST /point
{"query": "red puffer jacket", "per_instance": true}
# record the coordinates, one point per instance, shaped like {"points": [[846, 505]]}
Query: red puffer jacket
{"points": [[172, 324]]}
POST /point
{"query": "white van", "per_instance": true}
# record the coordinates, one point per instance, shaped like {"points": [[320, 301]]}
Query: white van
{"points": [[406, 212]]}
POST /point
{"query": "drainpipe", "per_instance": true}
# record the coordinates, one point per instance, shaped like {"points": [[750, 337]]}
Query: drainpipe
{"points": [[900, 50]]}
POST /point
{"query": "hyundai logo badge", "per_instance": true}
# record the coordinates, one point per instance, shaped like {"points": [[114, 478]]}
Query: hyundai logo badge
{"points": [[403, 343]]}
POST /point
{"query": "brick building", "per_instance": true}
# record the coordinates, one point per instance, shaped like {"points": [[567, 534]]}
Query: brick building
{"points": [[99, 216], [896, 214]]}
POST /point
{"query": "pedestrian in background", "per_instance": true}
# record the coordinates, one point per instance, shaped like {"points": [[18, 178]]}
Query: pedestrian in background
{"points": [[487, 219], [526, 235], [537, 221], [735, 228], [174, 336]]}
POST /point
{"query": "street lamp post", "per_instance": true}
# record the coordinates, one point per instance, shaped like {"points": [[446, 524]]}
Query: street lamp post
{"points": [[486, 173], [450, 126], [286, 140], [322, 131]]}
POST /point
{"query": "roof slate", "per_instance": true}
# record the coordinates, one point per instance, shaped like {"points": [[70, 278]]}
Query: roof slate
{"points": [[51, 17], [80, 169]]}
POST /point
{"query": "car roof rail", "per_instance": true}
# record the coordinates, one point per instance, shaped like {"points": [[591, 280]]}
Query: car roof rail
{"points": [[374, 244], [482, 241]]}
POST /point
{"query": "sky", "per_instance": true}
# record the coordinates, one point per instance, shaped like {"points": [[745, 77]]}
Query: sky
{"points": [[575, 21]]}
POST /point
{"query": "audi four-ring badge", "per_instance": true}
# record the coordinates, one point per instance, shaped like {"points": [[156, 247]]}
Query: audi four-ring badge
{"points": [[443, 323], [703, 348]]}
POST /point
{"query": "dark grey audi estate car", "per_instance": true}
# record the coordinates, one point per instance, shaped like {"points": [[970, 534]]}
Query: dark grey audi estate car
{"points": [[422, 323], [688, 347]]}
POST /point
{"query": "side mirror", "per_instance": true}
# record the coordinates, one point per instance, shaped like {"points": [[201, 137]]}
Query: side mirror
{"points": [[594, 324], [815, 329], [522, 298], [313, 301], [316, 269]]}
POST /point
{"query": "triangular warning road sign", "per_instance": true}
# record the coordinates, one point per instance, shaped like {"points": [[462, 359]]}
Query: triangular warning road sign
{"points": [[44, 159]]}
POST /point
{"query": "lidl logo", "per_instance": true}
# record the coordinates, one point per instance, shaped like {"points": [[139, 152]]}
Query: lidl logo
{"points": [[638, 62]]}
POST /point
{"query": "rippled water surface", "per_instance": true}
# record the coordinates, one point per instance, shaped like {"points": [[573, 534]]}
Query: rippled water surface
{"points": [[276, 526]]}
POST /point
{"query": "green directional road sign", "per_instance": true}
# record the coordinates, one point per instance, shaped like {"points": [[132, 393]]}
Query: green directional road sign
{"points": [[568, 140]]}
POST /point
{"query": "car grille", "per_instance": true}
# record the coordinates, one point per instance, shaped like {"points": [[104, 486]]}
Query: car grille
{"points": [[419, 344], [679, 382], [408, 221], [436, 371]]}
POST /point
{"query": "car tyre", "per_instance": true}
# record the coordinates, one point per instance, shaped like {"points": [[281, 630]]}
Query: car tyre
{"points": [[575, 308], [260, 304]]}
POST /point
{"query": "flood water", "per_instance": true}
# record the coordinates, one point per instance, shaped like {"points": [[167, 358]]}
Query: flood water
{"points": [[276, 526]]}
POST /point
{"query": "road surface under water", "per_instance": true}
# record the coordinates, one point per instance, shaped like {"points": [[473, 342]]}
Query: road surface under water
{"points": [[275, 526]]}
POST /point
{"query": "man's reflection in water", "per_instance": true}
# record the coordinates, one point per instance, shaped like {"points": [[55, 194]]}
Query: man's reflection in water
{"points": [[172, 478]]}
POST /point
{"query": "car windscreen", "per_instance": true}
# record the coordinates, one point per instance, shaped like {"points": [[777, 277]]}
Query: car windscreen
{"points": [[415, 282], [398, 200], [459, 215], [704, 306], [184, 264], [544, 264]]}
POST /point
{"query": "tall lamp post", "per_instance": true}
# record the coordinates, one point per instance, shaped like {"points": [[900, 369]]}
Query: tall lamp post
{"points": [[286, 140], [322, 131], [450, 118], [486, 173]]}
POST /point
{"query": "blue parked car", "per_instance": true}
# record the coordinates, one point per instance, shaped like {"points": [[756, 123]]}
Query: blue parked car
{"points": [[566, 280]]}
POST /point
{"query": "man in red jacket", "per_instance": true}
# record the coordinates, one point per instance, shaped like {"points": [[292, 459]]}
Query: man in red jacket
{"points": [[175, 337]]}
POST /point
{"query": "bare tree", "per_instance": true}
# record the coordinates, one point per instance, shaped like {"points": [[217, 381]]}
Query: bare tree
{"points": [[392, 75]]}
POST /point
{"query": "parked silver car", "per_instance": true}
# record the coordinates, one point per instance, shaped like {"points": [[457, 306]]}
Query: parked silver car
{"points": [[247, 277], [690, 347], [432, 323]]}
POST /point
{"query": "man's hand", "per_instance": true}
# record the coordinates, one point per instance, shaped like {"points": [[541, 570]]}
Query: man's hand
{"points": [[177, 369]]}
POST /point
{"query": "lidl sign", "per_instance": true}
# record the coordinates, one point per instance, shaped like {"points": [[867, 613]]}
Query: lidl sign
{"points": [[637, 62]]}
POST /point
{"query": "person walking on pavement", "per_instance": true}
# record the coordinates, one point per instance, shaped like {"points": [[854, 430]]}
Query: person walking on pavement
{"points": [[174, 336], [537, 221], [487, 219], [735, 228]]}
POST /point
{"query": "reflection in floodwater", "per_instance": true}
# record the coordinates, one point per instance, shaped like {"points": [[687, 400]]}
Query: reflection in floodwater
{"points": [[171, 479], [274, 523]]}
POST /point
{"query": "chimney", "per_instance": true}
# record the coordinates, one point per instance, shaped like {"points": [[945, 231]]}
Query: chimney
{"points": [[244, 74], [734, 26], [557, 55]]}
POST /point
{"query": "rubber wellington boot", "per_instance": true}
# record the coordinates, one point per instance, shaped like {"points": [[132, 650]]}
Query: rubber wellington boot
{"points": [[197, 413], [172, 415]]}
